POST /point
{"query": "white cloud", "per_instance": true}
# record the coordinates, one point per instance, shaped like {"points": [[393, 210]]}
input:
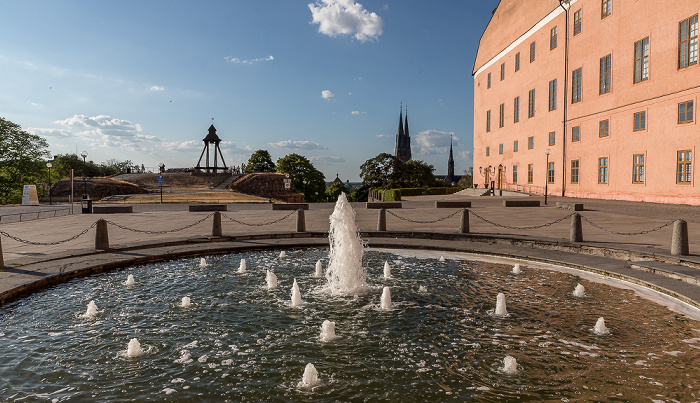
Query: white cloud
{"points": [[325, 94], [327, 159], [358, 113], [61, 133], [466, 155], [298, 145], [385, 135], [346, 17], [156, 88], [249, 61], [433, 142]]}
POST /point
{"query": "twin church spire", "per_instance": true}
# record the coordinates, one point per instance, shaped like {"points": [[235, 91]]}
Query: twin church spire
{"points": [[403, 139]]}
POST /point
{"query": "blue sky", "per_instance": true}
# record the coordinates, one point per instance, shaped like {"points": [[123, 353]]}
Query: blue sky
{"points": [[141, 80]]}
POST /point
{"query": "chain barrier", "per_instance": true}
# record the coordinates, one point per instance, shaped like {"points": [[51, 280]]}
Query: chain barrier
{"points": [[258, 225], [424, 222], [628, 233], [160, 232], [49, 243], [512, 227]]}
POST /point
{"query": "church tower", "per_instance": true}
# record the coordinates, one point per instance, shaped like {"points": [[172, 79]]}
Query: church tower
{"points": [[402, 150], [450, 178]]}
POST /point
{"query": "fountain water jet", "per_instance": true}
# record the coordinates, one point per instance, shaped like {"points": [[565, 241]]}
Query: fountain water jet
{"points": [[510, 365], [310, 378], [386, 299], [130, 280], [600, 329], [345, 273], [242, 267], [296, 295], [91, 310], [579, 291], [185, 303], [387, 270], [500, 305], [328, 331], [442, 259], [271, 279], [202, 262], [134, 349], [319, 269], [516, 268]]}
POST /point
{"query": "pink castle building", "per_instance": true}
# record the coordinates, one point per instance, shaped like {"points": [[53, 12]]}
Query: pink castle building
{"points": [[589, 98]]}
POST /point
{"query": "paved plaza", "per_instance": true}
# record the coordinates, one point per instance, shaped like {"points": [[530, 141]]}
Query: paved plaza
{"points": [[41, 252]]}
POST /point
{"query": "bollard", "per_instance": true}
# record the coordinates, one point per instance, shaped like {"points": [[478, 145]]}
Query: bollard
{"points": [[101, 236], [464, 225], [301, 220], [679, 242], [381, 220], [2, 262], [216, 225], [576, 232]]}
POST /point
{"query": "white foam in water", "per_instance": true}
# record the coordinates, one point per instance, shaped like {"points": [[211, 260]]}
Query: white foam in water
{"points": [[345, 273], [579, 291], [130, 280], [328, 331], [386, 299], [271, 279], [600, 328], [91, 310], [134, 349], [283, 255], [516, 268], [510, 365], [202, 262], [185, 303], [442, 259], [242, 267], [501, 305], [387, 270], [296, 295], [422, 288], [319, 269], [310, 378]]}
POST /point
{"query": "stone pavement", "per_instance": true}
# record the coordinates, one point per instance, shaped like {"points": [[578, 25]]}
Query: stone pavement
{"points": [[39, 253]]}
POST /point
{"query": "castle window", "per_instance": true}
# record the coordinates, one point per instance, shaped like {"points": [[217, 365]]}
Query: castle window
{"points": [[605, 8], [577, 22], [574, 171], [532, 52], [576, 80], [638, 168], [531, 104], [605, 71], [553, 95], [685, 112], [517, 61], [553, 38], [516, 109], [688, 42], [641, 60]]}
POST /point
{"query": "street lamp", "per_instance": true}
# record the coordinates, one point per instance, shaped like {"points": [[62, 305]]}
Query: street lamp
{"points": [[48, 165], [546, 181], [84, 155], [487, 173]]}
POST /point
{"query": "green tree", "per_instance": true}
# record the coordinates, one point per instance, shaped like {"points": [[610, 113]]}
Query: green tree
{"points": [[22, 161], [260, 161], [334, 190], [419, 174], [383, 171], [306, 178]]}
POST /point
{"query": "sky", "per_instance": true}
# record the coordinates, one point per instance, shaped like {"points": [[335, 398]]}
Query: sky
{"points": [[141, 80]]}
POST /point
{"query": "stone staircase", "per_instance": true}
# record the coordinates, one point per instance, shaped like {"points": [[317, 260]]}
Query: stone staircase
{"points": [[224, 185]]}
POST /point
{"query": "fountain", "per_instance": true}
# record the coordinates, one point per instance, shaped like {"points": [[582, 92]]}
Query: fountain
{"points": [[319, 269], [500, 305], [600, 329], [386, 299], [387, 270], [345, 273], [202, 262], [283, 255], [446, 343], [579, 291], [130, 280], [185, 303], [271, 279], [91, 310], [241, 267], [134, 349], [296, 295], [310, 378], [516, 268], [328, 331], [510, 365], [442, 259]]}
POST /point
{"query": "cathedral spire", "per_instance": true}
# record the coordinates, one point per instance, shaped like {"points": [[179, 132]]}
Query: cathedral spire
{"points": [[403, 140], [450, 166]]}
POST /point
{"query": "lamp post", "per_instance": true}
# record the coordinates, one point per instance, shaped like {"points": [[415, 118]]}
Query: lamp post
{"points": [[48, 165], [84, 154], [487, 173], [546, 181]]}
